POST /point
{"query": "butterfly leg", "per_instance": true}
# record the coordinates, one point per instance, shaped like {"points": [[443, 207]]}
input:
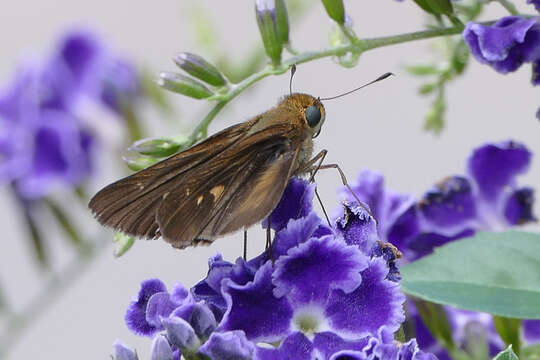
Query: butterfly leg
{"points": [[269, 245], [245, 244], [319, 158], [346, 184]]}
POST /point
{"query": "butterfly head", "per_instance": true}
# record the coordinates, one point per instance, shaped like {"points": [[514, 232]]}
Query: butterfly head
{"points": [[311, 111]]}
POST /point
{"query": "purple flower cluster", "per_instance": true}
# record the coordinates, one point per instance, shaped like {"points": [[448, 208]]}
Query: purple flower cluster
{"points": [[487, 198], [318, 293], [507, 44], [44, 142]]}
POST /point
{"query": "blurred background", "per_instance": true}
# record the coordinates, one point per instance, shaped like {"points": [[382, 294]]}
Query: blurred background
{"points": [[379, 128]]}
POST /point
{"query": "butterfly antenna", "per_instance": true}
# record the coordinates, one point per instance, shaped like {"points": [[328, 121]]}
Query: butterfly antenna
{"points": [[382, 77], [293, 70]]}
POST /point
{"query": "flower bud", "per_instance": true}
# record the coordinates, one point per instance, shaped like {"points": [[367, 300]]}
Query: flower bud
{"points": [[157, 147], [183, 85], [273, 25], [136, 161], [198, 67], [122, 352], [122, 243], [335, 10], [181, 334], [161, 350]]}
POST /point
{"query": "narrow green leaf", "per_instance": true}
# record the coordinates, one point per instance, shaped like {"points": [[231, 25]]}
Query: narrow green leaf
{"points": [[508, 330], [497, 273], [66, 224], [507, 354], [476, 344], [427, 89], [436, 7], [422, 70], [435, 319]]}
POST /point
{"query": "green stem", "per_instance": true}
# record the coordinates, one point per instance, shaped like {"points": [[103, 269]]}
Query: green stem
{"points": [[357, 47], [509, 6]]}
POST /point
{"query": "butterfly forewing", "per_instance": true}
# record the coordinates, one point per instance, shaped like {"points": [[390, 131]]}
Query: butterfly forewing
{"points": [[130, 204], [205, 191]]}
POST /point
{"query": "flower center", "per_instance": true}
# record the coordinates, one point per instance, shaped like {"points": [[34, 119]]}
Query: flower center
{"points": [[309, 320]]}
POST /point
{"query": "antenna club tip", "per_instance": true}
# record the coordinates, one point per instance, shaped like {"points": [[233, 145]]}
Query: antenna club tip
{"points": [[385, 75]]}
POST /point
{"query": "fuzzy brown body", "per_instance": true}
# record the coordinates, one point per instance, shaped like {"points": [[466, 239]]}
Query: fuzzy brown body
{"points": [[229, 181]]}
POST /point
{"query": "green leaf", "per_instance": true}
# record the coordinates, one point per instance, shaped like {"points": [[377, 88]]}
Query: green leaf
{"points": [[508, 330], [436, 7], [422, 70], [435, 116], [507, 354], [67, 225], [428, 88], [497, 273], [476, 344], [435, 319]]}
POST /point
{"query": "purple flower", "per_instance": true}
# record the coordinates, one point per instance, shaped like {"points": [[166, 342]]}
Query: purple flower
{"points": [[506, 44], [488, 198], [536, 4], [353, 300], [44, 144], [320, 293], [294, 204]]}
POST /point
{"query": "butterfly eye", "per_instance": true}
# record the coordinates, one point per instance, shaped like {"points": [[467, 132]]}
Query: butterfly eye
{"points": [[313, 115]]}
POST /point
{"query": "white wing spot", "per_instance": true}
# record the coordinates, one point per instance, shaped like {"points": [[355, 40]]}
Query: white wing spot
{"points": [[200, 199]]}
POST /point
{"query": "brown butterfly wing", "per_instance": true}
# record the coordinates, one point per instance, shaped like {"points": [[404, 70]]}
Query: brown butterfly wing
{"points": [[236, 189], [130, 204]]}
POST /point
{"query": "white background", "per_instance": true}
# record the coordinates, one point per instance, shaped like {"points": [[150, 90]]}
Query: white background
{"points": [[379, 128]]}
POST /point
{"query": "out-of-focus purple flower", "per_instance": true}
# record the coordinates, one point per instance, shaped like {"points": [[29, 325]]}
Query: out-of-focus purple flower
{"points": [[506, 44], [44, 144], [535, 3]]}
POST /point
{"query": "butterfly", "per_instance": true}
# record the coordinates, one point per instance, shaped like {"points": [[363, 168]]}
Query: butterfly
{"points": [[227, 182]]}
